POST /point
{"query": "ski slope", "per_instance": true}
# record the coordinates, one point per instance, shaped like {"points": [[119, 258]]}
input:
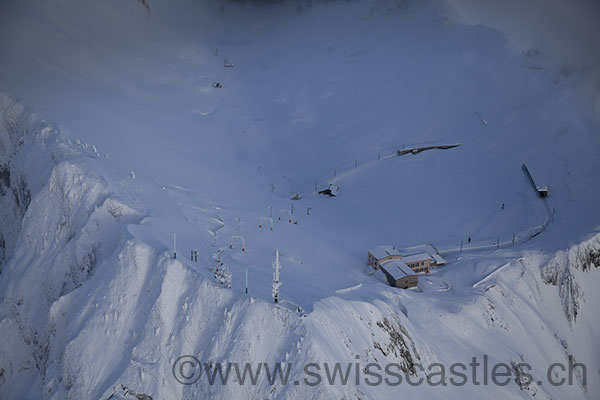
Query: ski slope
{"points": [[130, 142]]}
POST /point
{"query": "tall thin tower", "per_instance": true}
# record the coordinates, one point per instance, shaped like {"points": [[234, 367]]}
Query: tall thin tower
{"points": [[276, 283]]}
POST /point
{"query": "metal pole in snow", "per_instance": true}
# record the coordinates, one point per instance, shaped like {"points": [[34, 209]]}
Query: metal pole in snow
{"points": [[461, 246], [246, 280], [174, 245], [276, 283], [292, 208]]}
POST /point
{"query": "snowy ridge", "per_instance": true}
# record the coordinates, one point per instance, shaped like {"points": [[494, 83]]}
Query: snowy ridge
{"points": [[113, 313], [17, 173], [62, 224], [73, 235], [561, 271], [92, 303]]}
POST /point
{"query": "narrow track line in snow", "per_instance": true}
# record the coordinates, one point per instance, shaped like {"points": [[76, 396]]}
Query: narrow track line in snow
{"points": [[348, 289], [331, 178]]}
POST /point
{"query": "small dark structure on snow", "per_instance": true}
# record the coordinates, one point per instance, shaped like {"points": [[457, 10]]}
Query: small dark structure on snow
{"points": [[331, 191], [417, 150], [541, 190]]}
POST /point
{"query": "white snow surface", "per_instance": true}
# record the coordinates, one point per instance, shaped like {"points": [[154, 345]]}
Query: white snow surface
{"points": [[94, 306]]}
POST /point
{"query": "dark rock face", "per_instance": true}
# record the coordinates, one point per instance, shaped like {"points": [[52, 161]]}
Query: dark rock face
{"points": [[560, 272], [397, 345], [21, 194], [4, 180]]}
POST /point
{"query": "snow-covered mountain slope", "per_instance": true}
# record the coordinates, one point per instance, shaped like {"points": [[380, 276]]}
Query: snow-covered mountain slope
{"points": [[312, 94]]}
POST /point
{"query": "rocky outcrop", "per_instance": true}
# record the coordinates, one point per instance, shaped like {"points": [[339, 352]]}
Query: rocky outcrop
{"points": [[559, 271]]}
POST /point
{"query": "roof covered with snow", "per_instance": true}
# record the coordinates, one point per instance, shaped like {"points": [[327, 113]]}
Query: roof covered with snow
{"points": [[398, 269], [384, 251], [438, 259], [422, 248], [416, 257]]}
